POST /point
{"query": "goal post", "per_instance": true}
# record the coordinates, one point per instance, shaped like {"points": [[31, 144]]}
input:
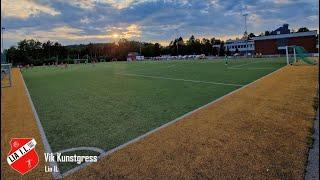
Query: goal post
{"points": [[6, 75], [291, 55], [298, 53]]}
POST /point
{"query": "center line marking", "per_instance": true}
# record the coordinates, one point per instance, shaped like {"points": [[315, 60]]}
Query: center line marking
{"points": [[186, 80]]}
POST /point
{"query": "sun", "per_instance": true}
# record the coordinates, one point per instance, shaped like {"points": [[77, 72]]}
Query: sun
{"points": [[115, 36]]}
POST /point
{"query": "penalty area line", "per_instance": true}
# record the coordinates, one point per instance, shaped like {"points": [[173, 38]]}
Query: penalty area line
{"points": [[177, 79], [139, 138]]}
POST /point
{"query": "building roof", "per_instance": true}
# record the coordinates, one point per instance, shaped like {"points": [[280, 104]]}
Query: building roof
{"points": [[297, 34], [281, 30]]}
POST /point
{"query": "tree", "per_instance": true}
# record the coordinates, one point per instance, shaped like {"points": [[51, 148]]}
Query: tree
{"points": [[245, 35], [157, 49], [267, 33], [221, 49], [251, 35], [207, 46], [47, 49], [12, 55], [303, 29]]}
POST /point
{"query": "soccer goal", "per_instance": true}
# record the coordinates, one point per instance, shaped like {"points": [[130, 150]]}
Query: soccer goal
{"points": [[298, 53], [79, 61], [6, 75]]}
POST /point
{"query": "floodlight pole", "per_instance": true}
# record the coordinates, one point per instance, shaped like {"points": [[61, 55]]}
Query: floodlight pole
{"points": [[2, 31], [178, 47], [287, 53], [294, 54], [140, 46], [246, 32]]}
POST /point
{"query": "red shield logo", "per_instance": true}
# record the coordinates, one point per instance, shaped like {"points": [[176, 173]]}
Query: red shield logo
{"points": [[23, 156]]}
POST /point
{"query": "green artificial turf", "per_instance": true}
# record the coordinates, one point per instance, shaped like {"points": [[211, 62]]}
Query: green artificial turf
{"points": [[102, 106]]}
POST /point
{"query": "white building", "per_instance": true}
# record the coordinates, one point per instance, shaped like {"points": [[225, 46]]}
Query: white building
{"points": [[241, 45]]}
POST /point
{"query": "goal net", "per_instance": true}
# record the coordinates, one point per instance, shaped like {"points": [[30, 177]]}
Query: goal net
{"points": [[296, 54], [6, 75], [78, 61]]}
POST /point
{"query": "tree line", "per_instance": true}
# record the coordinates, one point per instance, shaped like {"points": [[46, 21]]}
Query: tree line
{"points": [[30, 51]]}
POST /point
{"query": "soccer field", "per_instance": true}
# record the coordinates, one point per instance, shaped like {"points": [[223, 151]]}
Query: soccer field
{"points": [[108, 104]]}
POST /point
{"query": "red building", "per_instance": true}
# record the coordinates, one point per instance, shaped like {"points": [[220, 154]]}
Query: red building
{"points": [[275, 44]]}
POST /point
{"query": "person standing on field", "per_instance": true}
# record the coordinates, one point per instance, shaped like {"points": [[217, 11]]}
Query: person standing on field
{"points": [[226, 59]]}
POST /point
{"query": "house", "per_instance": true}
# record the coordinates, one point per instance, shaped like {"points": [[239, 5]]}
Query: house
{"points": [[134, 56]]}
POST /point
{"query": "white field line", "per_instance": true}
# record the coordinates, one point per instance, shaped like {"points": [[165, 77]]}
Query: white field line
{"points": [[56, 175], [250, 68], [173, 65], [240, 65], [82, 149], [139, 138], [186, 80]]}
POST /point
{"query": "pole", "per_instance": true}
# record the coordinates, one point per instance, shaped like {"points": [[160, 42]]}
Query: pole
{"points": [[177, 48], [246, 32], [287, 55], [140, 47], [246, 36], [294, 54], [2, 31]]}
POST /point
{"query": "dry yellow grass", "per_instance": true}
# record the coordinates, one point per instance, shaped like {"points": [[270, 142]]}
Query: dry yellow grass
{"points": [[259, 132], [17, 120]]}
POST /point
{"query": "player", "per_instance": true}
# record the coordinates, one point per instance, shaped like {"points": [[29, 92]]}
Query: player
{"points": [[226, 59]]}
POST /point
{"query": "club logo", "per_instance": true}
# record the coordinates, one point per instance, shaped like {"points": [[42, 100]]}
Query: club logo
{"points": [[23, 156]]}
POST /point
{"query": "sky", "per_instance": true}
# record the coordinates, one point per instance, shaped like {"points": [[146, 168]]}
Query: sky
{"points": [[96, 21]]}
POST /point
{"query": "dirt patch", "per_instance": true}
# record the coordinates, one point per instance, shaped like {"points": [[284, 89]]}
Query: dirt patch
{"points": [[259, 132], [17, 120]]}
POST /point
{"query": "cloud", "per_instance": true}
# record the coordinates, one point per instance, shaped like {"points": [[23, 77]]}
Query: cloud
{"points": [[124, 31], [68, 33], [25, 8], [73, 21], [83, 4], [85, 20], [116, 4], [62, 32]]}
